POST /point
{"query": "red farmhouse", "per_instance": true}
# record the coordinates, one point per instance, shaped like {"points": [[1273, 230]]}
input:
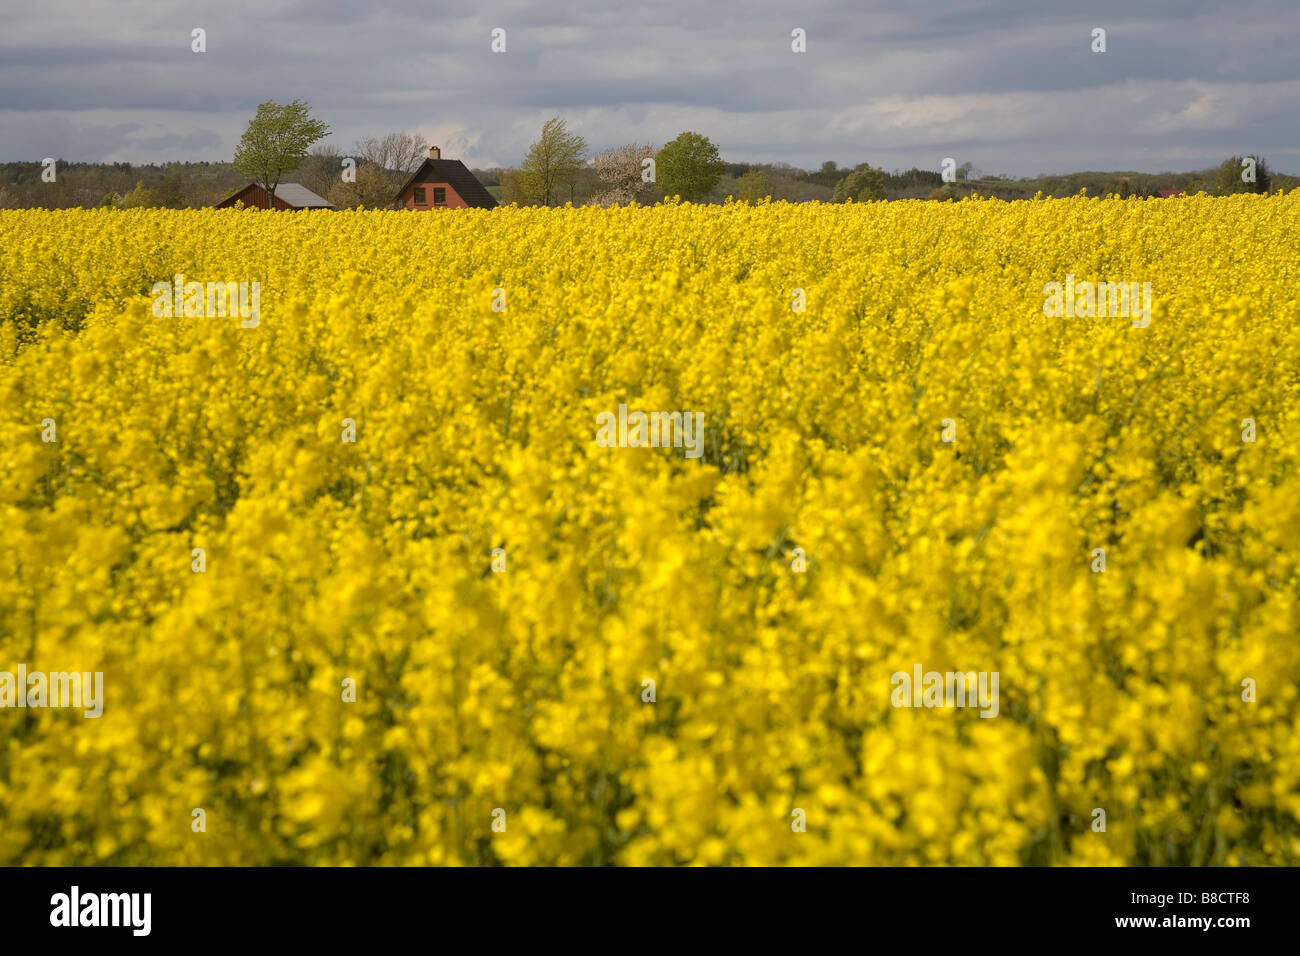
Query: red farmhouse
{"points": [[443, 184]]}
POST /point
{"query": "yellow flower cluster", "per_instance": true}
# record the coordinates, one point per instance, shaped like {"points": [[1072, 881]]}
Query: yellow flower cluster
{"points": [[669, 660]]}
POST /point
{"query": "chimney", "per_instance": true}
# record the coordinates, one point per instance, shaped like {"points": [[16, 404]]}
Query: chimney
{"points": [[434, 152]]}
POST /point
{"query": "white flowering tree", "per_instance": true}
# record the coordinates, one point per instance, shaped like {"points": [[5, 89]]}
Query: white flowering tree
{"points": [[619, 173]]}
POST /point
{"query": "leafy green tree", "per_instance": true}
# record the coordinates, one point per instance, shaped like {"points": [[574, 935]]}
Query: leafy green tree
{"points": [[138, 198], [688, 166], [552, 162], [372, 189], [914, 179], [277, 140], [829, 174], [1227, 180], [864, 184], [754, 185], [512, 188], [170, 193]]}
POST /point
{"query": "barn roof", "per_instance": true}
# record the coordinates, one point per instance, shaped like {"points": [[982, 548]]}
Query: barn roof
{"points": [[301, 197], [295, 195], [455, 174]]}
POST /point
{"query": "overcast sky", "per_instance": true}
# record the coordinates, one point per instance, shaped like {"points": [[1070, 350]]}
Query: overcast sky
{"points": [[1011, 86]]}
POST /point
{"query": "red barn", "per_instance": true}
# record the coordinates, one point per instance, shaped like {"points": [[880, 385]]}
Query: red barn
{"points": [[443, 184], [287, 196]]}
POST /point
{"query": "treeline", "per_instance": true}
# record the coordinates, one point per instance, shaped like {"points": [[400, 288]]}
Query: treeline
{"points": [[833, 183], [551, 176], [379, 166], [1233, 175], [86, 185], [559, 168]]}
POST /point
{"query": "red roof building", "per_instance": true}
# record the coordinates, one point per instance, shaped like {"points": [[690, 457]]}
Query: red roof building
{"points": [[288, 196], [443, 184]]}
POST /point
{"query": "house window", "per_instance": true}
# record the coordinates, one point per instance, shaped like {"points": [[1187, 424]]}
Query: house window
{"points": [[419, 195], [439, 196]]}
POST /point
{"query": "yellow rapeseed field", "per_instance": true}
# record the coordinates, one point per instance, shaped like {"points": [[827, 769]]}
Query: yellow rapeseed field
{"points": [[311, 654]]}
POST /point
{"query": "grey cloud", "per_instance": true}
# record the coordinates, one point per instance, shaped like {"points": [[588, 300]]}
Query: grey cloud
{"points": [[1012, 82]]}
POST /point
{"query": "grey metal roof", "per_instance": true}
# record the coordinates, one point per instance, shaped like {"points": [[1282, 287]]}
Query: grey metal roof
{"points": [[301, 197]]}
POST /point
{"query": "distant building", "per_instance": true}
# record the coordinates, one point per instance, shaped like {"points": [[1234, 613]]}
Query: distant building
{"points": [[443, 184], [288, 196], [1168, 193]]}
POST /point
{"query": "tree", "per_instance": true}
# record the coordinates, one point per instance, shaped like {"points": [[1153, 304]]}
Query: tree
{"points": [[170, 192], [618, 172], [276, 141], [688, 166], [1227, 180], [373, 189], [913, 183], [138, 198], [512, 188], [553, 162], [828, 175], [754, 185], [400, 152], [321, 169], [864, 184]]}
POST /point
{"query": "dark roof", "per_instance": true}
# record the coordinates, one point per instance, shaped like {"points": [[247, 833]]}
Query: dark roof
{"points": [[454, 173], [292, 194]]}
